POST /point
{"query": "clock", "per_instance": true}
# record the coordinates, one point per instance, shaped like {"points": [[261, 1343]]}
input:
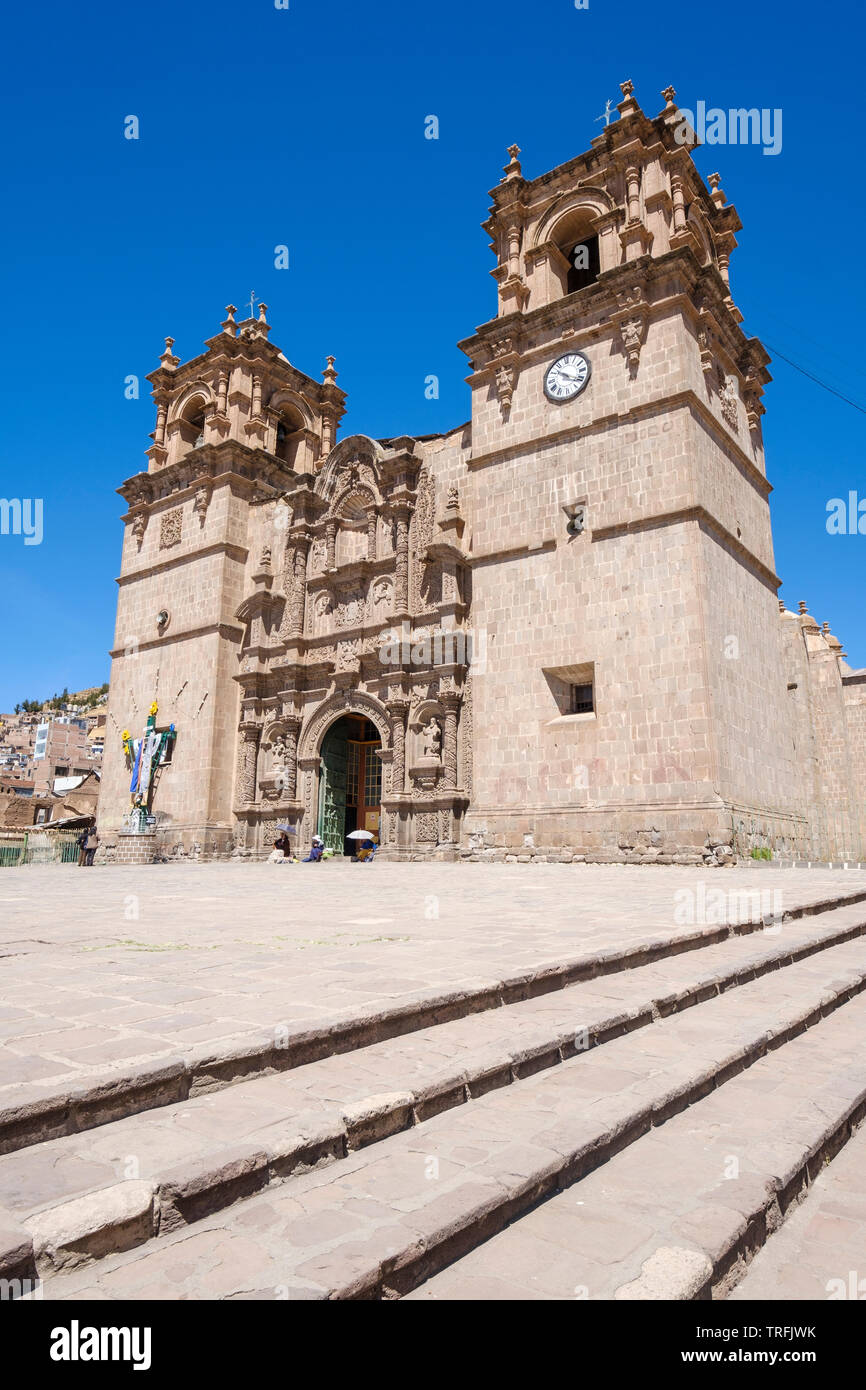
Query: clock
{"points": [[567, 377]]}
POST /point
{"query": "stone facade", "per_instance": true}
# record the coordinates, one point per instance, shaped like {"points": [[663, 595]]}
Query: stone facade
{"points": [[462, 590]]}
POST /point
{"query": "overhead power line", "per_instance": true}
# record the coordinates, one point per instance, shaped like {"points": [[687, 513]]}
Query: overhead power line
{"points": [[817, 380]]}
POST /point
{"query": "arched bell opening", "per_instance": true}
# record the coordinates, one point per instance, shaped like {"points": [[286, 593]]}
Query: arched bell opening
{"points": [[290, 433], [190, 426]]}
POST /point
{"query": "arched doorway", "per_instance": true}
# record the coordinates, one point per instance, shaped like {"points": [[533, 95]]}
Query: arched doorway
{"points": [[350, 782]]}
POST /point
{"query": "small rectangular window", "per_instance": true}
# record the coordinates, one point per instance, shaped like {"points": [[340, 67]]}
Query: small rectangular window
{"points": [[581, 699]]}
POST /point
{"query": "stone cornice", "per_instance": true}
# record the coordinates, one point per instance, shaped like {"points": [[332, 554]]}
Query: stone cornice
{"points": [[234, 552], [227, 630], [204, 465], [707, 523], [601, 298]]}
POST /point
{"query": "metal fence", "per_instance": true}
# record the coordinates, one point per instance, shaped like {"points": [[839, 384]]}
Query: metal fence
{"points": [[39, 846]]}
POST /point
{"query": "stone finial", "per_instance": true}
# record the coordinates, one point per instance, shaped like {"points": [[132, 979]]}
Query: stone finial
{"points": [[263, 311], [802, 606], [628, 106], [512, 168], [329, 375], [168, 358], [832, 642], [781, 605], [228, 324], [717, 195], [669, 93]]}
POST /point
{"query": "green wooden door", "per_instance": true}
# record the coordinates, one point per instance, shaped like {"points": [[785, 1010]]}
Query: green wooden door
{"points": [[332, 788]]}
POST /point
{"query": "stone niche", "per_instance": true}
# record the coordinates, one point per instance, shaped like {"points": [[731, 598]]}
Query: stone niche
{"points": [[425, 749]]}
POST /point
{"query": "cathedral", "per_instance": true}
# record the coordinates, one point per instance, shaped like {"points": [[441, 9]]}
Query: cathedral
{"points": [[552, 632]]}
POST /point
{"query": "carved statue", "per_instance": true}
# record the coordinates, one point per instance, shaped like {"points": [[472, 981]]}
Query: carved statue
{"points": [[431, 739]]}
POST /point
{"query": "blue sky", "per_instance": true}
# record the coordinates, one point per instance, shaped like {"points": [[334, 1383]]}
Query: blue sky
{"points": [[305, 127]]}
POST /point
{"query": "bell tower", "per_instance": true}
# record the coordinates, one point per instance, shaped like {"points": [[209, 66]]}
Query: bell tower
{"points": [[235, 428], [623, 572]]}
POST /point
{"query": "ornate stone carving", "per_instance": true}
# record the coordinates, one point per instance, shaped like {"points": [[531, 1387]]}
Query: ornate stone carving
{"points": [[632, 320], [426, 826], [139, 525], [401, 561], [754, 409], [347, 654], [249, 757], [336, 705], [505, 362], [398, 710], [728, 401], [451, 703], [350, 608], [466, 726], [170, 528], [201, 502], [381, 597], [297, 598], [431, 739], [322, 613]]}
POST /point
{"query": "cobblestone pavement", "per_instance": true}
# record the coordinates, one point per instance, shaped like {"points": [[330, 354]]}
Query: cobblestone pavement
{"points": [[126, 964]]}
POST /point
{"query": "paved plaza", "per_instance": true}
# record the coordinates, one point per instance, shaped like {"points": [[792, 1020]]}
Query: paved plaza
{"points": [[440, 1081], [112, 966]]}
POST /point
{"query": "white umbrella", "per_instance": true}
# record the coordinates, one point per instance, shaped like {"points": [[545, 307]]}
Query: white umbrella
{"points": [[291, 829], [361, 835]]}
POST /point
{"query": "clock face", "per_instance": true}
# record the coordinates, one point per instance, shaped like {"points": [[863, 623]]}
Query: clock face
{"points": [[567, 377]]}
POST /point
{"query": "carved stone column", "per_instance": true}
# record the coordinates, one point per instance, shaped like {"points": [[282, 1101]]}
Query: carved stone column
{"points": [[514, 248], [222, 393], [450, 703], [398, 709], [291, 764], [257, 397], [401, 564], [679, 204], [329, 430], [161, 412], [372, 526], [247, 762], [299, 586], [331, 545], [632, 180], [288, 583]]}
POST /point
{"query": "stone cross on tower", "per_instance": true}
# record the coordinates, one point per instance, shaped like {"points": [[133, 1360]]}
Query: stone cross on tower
{"points": [[605, 115], [252, 304]]}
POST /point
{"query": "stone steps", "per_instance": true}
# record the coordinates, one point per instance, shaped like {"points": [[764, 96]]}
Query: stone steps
{"points": [[32, 1113], [820, 1251], [682, 1212], [179, 1162], [387, 1217]]}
